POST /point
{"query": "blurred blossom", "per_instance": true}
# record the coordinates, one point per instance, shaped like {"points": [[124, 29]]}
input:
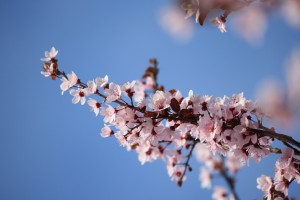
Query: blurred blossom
{"points": [[291, 12], [273, 99], [250, 24], [173, 21], [293, 79]]}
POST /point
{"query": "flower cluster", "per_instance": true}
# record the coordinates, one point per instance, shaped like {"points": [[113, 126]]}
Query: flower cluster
{"points": [[168, 126], [286, 170]]}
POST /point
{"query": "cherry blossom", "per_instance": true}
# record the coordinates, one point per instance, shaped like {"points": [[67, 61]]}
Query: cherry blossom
{"points": [[113, 91], [68, 82], [218, 21], [159, 101], [48, 69], [95, 106], [220, 193], [106, 131], [102, 82], [205, 178], [49, 55], [78, 95], [222, 133]]}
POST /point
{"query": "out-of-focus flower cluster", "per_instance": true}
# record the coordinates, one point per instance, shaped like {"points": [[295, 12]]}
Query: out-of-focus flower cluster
{"points": [[249, 17], [282, 102], [169, 126]]}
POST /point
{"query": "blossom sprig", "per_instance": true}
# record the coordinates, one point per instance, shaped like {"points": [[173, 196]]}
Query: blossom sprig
{"points": [[203, 9], [286, 171], [169, 126]]}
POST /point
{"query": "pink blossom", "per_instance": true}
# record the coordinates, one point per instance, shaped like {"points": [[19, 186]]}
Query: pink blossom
{"points": [[113, 92], [102, 82], [78, 95], [106, 131], [282, 186], [49, 55], [48, 69], [219, 193], [68, 82], [291, 12], [285, 159], [173, 21], [128, 88], [205, 178], [265, 184], [251, 24], [95, 106], [109, 114], [91, 87], [146, 153], [159, 101], [233, 163], [220, 23]]}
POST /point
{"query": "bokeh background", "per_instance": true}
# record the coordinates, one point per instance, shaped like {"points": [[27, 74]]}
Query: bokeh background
{"points": [[50, 149]]}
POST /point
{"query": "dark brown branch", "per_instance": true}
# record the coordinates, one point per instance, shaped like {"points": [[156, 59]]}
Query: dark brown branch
{"points": [[283, 138], [186, 164], [229, 180]]}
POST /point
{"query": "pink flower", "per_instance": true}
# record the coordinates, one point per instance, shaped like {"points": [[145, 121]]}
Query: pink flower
{"points": [[159, 101], [106, 131], [265, 184], [48, 69], [49, 55], [282, 186], [78, 95], [233, 163], [220, 23], [205, 178], [202, 152], [109, 114], [92, 87], [68, 82], [113, 92], [102, 82], [95, 106], [220, 193], [147, 153], [128, 88], [285, 159]]}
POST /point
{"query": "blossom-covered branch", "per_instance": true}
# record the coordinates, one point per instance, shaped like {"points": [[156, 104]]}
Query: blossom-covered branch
{"points": [[168, 126]]}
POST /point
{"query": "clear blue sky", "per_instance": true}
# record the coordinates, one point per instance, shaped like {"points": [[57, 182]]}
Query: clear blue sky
{"points": [[51, 149]]}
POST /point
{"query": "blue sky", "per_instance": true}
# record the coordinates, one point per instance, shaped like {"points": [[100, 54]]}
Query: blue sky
{"points": [[51, 149]]}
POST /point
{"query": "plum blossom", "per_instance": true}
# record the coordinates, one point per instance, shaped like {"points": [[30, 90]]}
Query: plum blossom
{"points": [[173, 21], [146, 153], [221, 132], [159, 101], [68, 82], [91, 87], [106, 131], [205, 178], [251, 24], [220, 23], [78, 95], [102, 82], [113, 92], [193, 8], [109, 114], [128, 88], [95, 106], [48, 69], [49, 55], [291, 12], [219, 193], [265, 184]]}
